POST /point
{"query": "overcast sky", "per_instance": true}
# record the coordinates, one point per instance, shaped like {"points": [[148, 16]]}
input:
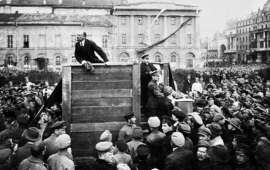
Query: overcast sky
{"points": [[215, 13]]}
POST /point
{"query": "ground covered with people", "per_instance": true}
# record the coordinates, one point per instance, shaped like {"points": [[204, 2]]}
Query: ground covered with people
{"points": [[228, 129]]}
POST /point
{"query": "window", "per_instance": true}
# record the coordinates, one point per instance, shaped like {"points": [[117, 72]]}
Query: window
{"points": [[25, 41], [173, 58], [157, 37], [42, 40], [189, 39], [26, 61], [189, 63], [10, 41], [173, 39], [58, 60], [173, 20], [140, 38], [105, 41], [73, 40], [124, 38], [140, 20], [57, 40], [157, 58], [123, 20]]}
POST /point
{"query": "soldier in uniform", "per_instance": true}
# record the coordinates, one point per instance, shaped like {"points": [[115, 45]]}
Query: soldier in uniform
{"points": [[146, 70]]}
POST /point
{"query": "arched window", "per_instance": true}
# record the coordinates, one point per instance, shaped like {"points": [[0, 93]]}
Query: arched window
{"points": [[124, 57], [10, 60], [58, 60], [173, 58], [190, 60], [26, 60]]}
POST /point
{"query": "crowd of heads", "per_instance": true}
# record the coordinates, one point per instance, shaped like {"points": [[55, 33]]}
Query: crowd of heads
{"points": [[227, 129]]}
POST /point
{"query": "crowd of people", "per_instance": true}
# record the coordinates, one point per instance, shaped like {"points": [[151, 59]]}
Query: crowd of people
{"points": [[227, 130]]}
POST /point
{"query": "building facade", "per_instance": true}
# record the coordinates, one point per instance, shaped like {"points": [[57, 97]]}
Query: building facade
{"points": [[248, 41], [33, 32], [144, 23]]}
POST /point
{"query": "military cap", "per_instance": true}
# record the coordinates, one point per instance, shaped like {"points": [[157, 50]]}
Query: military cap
{"points": [[59, 124], [204, 131], [104, 146], [145, 55]]}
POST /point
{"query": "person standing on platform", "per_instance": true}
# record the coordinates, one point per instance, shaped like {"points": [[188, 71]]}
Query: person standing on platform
{"points": [[187, 85], [126, 131], [147, 69], [85, 52]]}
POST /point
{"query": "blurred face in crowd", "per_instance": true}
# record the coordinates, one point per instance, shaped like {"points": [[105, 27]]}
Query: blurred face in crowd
{"points": [[202, 153], [204, 137], [188, 77], [197, 79], [155, 77], [211, 101], [210, 80], [145, 60], [240, 157], [60, 131], [174, 118], [166, 128], [107, 156], [201, 79], [230, 127], [79, 37], [132, 120], [221, 122]]}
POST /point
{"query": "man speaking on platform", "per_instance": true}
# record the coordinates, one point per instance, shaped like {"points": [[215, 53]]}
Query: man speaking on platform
{"points": [[85, 52]]}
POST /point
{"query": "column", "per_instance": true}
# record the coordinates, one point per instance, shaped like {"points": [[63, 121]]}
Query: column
{"points": [[165, 31], [148, 30], [132, 32]]}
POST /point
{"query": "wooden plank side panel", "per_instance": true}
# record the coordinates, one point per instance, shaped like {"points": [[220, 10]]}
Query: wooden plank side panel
{"points": [[94, 127], [165, 67], [98, 114], [136, 83], [121, 101], [97, 85], [85, 76], [101, 69], [105, 93], [66, 95]]}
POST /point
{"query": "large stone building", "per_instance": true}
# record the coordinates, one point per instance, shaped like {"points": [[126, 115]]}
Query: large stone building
{"points": [[144, 23], [249, 38], [34, 32]]}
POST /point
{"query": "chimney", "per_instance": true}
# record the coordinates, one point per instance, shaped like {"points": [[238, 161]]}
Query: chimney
{"points": [[44, 2], [83, 2], [8, 1], [60, 1]]}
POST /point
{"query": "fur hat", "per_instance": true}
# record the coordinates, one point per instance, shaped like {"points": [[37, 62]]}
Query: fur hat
{"points": [[153, 122], [103, 146], [106, 136], [63, 141], [178, 139]]}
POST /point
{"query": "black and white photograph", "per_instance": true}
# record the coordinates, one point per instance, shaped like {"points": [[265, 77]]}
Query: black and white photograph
{"points": [[134, 84]]}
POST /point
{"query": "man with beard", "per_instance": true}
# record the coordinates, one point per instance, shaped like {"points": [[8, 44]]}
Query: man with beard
{"points": [[202, 161], [126, 131]]}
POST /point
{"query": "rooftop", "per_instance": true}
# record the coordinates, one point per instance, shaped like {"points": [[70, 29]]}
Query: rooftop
{"points": [[90, 20], [62, 3]]}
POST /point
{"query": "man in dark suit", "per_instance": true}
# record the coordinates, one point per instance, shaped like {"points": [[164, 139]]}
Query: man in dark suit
{"points": [[180, 158], [85, 52], [146, 70], [187, 85]]}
